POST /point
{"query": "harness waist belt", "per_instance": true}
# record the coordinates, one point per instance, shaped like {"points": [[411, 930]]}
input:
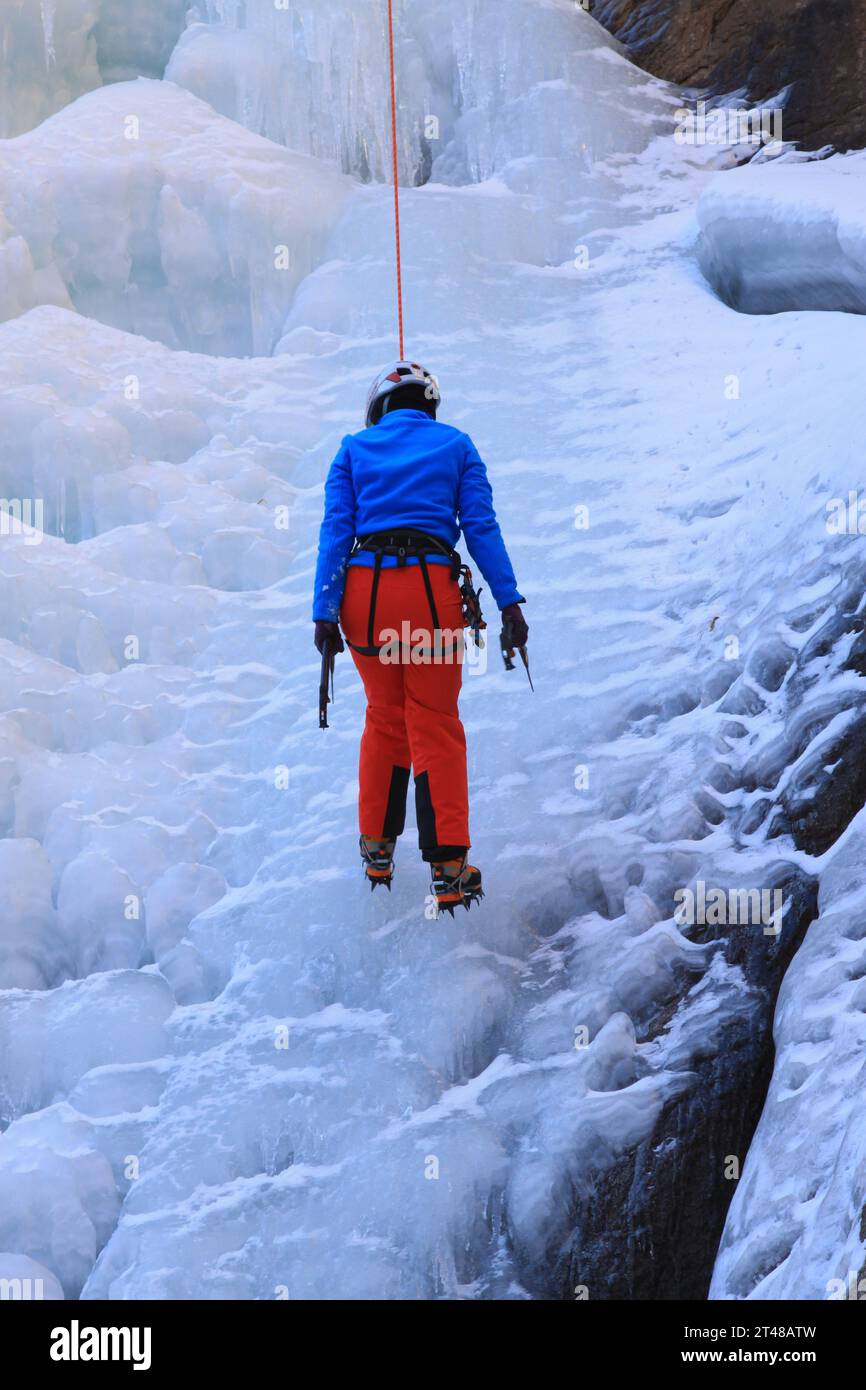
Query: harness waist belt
{"points": [[404, 542]]}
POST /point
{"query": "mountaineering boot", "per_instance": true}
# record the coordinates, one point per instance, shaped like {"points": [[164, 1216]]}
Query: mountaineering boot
{"points": [[454, 882], [377, 856]]}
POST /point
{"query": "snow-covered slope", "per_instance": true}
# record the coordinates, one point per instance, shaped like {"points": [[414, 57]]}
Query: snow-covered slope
{"points": [[247, 1076]]}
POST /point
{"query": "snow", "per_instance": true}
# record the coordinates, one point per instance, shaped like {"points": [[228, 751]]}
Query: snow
{"points": [[246, 1076], [767, 250]]}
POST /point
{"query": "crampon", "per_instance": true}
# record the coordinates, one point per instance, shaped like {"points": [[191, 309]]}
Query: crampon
{"points": [[377, 856], [456, 882]]}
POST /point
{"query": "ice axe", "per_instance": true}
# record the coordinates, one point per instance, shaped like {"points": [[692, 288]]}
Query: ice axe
{"points": [[506, 642], [327, 678]]}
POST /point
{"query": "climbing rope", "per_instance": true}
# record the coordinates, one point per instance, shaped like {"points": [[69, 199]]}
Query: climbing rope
{"points": [[396, 185]]}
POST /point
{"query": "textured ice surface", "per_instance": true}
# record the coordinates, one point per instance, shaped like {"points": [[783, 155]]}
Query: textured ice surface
{"points": [[139, 206], [796, 1226], [58, 1197], [245, 1075], [480, 85]]}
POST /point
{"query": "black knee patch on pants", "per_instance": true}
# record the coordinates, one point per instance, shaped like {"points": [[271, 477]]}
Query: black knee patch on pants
{"points": [[424, 813], [395, 811]]}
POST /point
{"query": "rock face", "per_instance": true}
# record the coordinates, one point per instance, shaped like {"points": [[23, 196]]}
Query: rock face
{"points": [[652, 1228], [818, 47]]}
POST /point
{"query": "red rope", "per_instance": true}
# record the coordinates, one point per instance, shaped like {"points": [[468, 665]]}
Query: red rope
{"points": [[396, 185]]}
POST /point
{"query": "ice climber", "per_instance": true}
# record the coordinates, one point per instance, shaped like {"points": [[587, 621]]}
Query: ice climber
{"points": [[397, 496]]}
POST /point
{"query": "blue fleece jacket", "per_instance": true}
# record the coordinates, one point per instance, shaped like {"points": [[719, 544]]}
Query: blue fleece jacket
{"points": [[408, 470]]}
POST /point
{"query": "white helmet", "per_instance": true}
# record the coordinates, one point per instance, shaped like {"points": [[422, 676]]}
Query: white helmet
{"points": [[390, 379]]}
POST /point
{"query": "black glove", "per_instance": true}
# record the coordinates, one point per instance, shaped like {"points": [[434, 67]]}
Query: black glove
{"points": [[514, 626], [328, 632]]}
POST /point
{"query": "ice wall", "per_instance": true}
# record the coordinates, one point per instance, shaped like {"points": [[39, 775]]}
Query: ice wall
{"points": [[56, 50], [480, 84], [141, 207], [324, 1094], [796, 1225], [135, 38], [48, 55]]}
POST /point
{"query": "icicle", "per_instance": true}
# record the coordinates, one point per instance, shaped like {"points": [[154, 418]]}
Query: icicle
{"points": [[48, 8]]}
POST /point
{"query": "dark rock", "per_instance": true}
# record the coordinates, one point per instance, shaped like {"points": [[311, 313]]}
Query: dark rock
{"points": [[816, 46], [652, 1228], [817, 817]]}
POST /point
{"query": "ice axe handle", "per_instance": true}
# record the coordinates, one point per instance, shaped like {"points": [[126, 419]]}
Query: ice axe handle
{"points": [[327, 678]]}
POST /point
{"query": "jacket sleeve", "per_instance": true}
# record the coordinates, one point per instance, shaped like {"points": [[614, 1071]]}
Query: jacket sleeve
{"points": [[336, 538], [481, 529]]}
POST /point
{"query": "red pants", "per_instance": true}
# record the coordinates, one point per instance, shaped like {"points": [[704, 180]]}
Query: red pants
{"points": [[412, 719]]}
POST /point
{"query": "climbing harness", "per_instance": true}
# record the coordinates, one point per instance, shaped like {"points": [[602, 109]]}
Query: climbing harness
{"points": [[405, 544]]}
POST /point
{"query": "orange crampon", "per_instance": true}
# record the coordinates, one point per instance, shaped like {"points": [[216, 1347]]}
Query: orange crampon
{"points": [[377, 856], [456, 882]]}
